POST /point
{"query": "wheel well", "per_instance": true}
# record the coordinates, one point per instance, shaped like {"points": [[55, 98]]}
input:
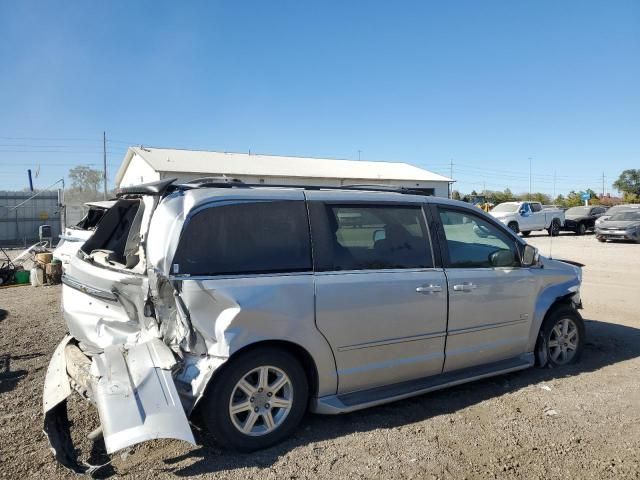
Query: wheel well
{"points": [[565, 300], [294, 349]]}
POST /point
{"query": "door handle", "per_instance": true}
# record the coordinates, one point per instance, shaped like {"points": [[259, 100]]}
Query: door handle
{"points": [[464, 287], [424, 289]]}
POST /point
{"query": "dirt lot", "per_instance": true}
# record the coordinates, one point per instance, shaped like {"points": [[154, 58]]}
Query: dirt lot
{"points": [[576, 422]]}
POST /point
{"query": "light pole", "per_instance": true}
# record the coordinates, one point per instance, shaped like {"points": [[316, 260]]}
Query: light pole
{"points": [[530, 179]]}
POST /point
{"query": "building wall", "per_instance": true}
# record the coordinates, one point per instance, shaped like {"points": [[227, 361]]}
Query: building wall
{"points": [[138, 172], [441, 189], [19, 226]]}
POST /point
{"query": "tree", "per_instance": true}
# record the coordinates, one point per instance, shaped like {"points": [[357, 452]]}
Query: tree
{"points": [[629, 182], [85, 179], [573, 199], [497, 197], [456, 195], [541, 197]]}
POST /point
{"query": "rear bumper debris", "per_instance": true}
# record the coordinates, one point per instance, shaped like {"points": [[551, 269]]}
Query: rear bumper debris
{"points": [[132, 388]]}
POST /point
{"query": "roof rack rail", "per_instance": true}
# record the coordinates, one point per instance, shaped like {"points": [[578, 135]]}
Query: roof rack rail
{"points": [[357, 187], [213, 180]]}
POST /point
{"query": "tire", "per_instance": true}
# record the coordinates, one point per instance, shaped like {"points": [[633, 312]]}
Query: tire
{"points": [[601, 240], [225, 392], [513, 226], [554, 228], [557, 346], [581, 229], [526, 233]]}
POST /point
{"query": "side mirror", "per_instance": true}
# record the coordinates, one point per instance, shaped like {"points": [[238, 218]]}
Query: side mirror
{"points": [[530, 256], [502, 258], [379, 234], [481, 231]]}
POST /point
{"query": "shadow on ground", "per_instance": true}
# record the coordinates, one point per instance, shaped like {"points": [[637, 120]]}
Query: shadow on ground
{"points": [[8, 378], [3, 314], [607, 344]]}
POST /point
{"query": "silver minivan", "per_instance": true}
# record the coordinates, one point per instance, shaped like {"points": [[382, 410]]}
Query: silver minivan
{"points": [[251, 304]]}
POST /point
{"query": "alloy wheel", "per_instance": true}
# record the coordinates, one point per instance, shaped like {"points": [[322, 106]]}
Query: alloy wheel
{"points": [[261, 400], [563, 341]]}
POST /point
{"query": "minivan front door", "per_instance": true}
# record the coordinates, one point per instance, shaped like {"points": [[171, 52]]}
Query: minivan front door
{"points": [[491, 298], [380, 302]]}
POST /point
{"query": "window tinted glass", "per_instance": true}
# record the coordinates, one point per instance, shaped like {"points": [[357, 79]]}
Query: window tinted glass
{"points": [[256, 237], [366, 237], [474, 242]]}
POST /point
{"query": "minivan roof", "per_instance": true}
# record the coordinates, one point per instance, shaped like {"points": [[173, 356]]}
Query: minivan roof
{"points": [[164, 186]]}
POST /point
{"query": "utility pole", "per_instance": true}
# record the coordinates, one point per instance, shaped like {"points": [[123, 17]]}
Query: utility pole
{"points": [[451, 177], [530, 179], [554, 186], [359, 151], [602, 184], [104, 159]]}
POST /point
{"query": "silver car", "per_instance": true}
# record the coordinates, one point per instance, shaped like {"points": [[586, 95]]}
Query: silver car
{"points": [[255, 303], [622, 225]]}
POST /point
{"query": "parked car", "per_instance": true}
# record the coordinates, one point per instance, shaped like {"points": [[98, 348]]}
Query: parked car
{"points": [[252, 303], [581, 219], [524, 217], [74, 236], [616, 209], [624, 225]]}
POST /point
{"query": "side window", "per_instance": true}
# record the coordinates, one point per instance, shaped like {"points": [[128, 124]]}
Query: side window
{"points": [[473, 242], [536, 207], [368, 237], [242, 238]]}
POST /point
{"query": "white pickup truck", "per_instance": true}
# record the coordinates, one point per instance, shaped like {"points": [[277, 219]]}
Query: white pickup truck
{"points": [[523, 217]]}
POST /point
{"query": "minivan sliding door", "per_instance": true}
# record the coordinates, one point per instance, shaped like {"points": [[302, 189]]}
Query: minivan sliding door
{"points": [[380, 302]]}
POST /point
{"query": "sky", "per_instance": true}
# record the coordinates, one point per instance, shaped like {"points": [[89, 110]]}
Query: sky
{"points": [[485, 85]]}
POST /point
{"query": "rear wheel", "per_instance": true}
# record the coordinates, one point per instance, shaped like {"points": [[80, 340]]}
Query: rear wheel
{"points": [[581, 229], [257, 400], [526, 233], [513, 226], [561, 338], [554, 228]]}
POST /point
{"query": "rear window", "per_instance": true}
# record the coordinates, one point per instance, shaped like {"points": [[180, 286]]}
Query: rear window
{"points": [[119, 233], [245, 238]]}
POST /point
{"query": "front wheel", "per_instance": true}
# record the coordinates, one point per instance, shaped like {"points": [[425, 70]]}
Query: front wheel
{"points": [[582, 229], [257, 400], [526, 233], [513, 226], [561, 338]]}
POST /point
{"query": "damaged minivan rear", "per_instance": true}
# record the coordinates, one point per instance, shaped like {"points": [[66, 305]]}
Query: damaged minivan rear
{"points": [[254, 303]]}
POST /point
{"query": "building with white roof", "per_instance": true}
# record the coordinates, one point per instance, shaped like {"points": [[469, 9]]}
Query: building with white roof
{"points": [[147, 164]]}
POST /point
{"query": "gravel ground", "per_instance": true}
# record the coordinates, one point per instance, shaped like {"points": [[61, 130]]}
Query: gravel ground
{"points": [[577, 422]]}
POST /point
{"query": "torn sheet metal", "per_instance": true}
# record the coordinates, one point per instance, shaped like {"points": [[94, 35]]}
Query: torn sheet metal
{"points": [[136, 397], [135, 394], [56, 422]]}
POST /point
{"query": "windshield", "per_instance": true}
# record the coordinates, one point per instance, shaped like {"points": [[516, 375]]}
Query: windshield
{"points": [[506, 207], [625, 217], [576, 211], [618, 208]]}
